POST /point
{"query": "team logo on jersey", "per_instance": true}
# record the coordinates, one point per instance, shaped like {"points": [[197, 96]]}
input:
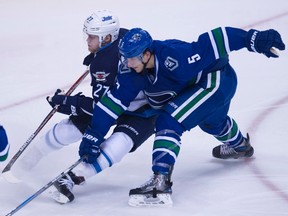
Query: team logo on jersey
{"points": [[101, 76], [158, 99], [170, 63], [123, 68]]}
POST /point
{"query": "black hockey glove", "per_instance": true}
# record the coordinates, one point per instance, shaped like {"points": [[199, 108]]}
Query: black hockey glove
{"points": [[71, 105], [264, 41], [89, 147]]}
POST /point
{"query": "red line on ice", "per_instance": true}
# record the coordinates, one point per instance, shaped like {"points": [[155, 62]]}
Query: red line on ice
{"points": [[45, 94], [256, 123], [262, 117], [24, 101]]}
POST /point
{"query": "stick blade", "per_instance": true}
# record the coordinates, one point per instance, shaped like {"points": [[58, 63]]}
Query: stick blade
{"points": [[9, 177]]}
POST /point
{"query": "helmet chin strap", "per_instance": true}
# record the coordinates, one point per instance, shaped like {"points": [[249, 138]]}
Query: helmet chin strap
{"points": [[144, 71]]}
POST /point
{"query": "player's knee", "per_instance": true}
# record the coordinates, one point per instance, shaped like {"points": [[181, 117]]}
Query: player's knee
{"points": [[64, 133], [166, 122], [117, 146]]}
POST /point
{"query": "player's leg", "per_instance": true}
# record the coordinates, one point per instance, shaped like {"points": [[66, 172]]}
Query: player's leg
{"points": [[129, 133], [184, 112], [226, 130], [61, 134]]}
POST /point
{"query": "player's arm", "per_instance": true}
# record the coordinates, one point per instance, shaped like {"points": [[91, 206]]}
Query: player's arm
{"points": [[71, 105], [107, 111], [265, 42], [227, 39]]}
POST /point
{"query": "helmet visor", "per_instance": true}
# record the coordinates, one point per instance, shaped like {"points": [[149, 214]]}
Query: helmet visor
{"points": [[131, 62]]}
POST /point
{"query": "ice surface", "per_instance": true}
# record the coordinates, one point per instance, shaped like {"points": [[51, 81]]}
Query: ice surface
{"points": [[42, 48]]}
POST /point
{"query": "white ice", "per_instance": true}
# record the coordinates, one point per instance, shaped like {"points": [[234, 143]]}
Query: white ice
{"points": [[42, 48]]}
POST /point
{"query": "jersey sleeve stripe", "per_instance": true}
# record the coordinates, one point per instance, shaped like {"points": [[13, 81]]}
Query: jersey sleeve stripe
{"points": [[112, 104], [213, 43], [226, 41], [219, 40], [116, 101], [106, 110]]}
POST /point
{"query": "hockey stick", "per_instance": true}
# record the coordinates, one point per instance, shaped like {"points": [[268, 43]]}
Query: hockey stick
{"points": [[6, 173], [49, 184]]}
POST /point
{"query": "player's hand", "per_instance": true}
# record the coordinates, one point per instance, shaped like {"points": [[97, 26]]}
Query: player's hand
{"points": [[265, 42], [49, 98], [89, 148], [66, 104]]}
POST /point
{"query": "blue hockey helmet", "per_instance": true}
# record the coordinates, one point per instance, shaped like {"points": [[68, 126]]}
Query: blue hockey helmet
{"points": [[134, 43]]}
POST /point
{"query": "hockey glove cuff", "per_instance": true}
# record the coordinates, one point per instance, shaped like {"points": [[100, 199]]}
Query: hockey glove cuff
{"points": [[264, 41], [89, 148], [71, 105]]}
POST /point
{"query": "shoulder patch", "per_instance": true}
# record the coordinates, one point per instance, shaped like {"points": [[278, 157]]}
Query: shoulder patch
{"points": [[123, 68], [171, 63]]}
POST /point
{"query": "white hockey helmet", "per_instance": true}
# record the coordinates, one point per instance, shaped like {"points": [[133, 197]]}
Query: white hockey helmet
{"points": [[102, 23]]}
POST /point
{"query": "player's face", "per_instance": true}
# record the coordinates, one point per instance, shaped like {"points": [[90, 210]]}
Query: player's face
{"points": [[135, 63], [92, 43]]}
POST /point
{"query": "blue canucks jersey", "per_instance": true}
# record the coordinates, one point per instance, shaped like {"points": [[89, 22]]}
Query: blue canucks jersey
{"points": [[103, 74], [178, 65]]}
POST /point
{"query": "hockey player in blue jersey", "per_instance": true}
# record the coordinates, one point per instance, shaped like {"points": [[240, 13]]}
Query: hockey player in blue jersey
{"points": [[4, 145], [132, 128], [192, 83]]}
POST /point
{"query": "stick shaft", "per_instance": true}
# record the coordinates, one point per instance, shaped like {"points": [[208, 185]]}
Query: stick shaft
{"points": [[43, 123], [45, 187]]}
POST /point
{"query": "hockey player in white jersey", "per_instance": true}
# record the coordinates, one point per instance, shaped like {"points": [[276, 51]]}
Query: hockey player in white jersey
{"points": [[103, 33]]}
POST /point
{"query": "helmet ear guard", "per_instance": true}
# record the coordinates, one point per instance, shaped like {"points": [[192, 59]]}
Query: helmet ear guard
{"points": [[135, 42], [102, 23]]}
